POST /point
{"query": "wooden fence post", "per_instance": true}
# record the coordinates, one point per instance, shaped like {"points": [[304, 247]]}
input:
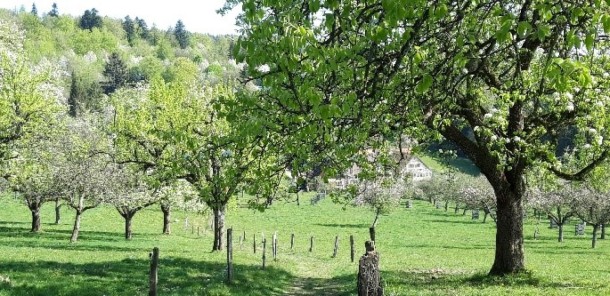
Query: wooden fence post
{"points": [[372, 233], [291, 241], [369, 279], [254, 242], [153, 277], [274, 246], [229, 255], [351, 244], [264, 252], [311, 244], [336, 247]]}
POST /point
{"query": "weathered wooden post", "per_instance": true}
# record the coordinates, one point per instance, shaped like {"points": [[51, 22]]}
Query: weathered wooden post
{"points": [[254, 242], [186, 223], [244, 235], [336, 249], [274, 246], [369, 279], [351, 245], [291, 241], [311, 244], [229, 255], [153, 277], [372, 233], [264, 252]]}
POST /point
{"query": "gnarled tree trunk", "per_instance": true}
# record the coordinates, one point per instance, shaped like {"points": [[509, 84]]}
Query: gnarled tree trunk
{"points": [[76, 228], [57, 211], [219, 224], [166, 209], [509, 256], [35, 218], [128, 218], [594, 238]]}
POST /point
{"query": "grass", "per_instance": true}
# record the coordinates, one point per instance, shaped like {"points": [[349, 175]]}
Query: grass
{"points": [[435, 163], [424, 251]]}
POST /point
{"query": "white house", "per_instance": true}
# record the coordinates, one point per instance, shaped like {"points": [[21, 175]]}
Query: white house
{"points": [[417, 169], [411, 165]]}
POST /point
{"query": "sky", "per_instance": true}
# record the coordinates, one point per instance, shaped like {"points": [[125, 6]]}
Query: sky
{"points": [[197, 16]]}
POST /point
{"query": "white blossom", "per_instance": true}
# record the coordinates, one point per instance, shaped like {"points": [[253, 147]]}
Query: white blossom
{"points": [[263, 68]]}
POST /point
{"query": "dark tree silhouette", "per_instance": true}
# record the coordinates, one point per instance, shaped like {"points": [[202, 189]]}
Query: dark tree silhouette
{"points": [[54, 11], [116, 74], [90, 20], [34, 10], [182, 35], [130, 30]]}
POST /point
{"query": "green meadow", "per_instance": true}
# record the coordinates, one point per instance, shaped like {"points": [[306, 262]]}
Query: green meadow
{"points": [[423, 251]]}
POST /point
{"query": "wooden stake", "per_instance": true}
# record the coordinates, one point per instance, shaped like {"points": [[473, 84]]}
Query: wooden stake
{"points": [[311, 244], [264, 252], [154, 273], [291, 241], [351, 244], [336, 247], [229, 255]]}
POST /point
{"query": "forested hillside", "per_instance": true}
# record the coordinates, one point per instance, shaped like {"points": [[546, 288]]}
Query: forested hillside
{"points": [[96, 55]]}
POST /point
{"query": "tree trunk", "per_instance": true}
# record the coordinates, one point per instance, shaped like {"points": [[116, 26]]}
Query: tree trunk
{"points": [[298, 198], [594, 239], [57, 211], [509, 256], [219, 224], [166, 209], [457, 208], [560, 226], [128, 217], [446, 205], [603, 236], [76, 228], [35, 209]]}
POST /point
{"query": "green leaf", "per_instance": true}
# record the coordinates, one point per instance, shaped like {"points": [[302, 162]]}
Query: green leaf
{"points": [[424, 84], [589, 41], [523, 28], [606, 23]]}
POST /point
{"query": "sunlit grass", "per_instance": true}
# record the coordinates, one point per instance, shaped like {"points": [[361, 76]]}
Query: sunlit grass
{"points": [[424, 251]]}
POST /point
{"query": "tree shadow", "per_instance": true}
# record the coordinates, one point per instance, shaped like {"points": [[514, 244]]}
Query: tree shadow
{"points": [[177, 276], [439, 280], [469, 222], [343, 225]]}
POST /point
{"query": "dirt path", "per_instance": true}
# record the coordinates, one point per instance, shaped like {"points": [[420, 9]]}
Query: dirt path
{"points": [[307, 282], [314, 286]]}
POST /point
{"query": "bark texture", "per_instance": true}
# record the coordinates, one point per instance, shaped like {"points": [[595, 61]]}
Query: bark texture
{"points": [[166, 209]]}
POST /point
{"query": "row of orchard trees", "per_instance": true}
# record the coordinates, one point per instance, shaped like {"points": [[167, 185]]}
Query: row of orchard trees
{"points": [[558, 200], [160, 142]]}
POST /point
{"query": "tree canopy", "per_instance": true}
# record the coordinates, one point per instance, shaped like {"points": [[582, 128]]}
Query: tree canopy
{"points": [[341, 76]]}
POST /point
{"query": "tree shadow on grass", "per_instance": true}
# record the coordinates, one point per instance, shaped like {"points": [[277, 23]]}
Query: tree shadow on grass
{"points": [[469, 222], [177, 276], [342, 225], [439, 281]]}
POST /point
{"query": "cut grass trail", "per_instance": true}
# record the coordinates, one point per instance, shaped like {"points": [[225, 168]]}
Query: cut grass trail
{"points": [[424, 251]]}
